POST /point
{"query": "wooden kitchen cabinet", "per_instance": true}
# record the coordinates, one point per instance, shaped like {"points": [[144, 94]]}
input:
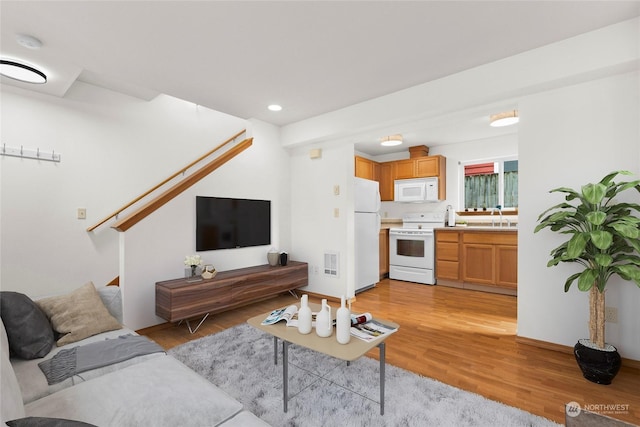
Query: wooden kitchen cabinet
{"points": [[476, 259], [384, 253], [448, 254], [430, 166], [386, 181], [423, 167], [479, 263], [417, 167], [490, 258], [420, 167], [366, 168], [507, 266], [404, 169]]}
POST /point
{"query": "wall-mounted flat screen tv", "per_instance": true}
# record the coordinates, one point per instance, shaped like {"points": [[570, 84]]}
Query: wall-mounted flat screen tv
{"points": [[225, 223]]}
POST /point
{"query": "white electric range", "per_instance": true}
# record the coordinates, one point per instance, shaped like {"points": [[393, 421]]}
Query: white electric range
{"points": [[412, 248]]}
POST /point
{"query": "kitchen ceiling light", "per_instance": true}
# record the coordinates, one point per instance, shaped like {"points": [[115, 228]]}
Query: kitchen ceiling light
{"points": [[24, 73], [275, 107], [391, 140], [504, 119]]}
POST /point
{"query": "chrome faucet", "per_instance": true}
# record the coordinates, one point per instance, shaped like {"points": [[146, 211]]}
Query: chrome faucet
{"points": [[493, 221]]}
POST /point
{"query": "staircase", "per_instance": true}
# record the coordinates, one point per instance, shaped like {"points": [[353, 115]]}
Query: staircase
{"points": [[155, 200]]}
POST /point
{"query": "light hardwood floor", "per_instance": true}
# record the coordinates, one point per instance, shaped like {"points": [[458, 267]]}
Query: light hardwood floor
{"points": [[463, 338]]}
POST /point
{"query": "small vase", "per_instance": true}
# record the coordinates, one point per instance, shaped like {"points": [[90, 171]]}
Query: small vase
{"points": [[273, 258], [304, 315], [343, 323], [324, 328], [193, 270]]}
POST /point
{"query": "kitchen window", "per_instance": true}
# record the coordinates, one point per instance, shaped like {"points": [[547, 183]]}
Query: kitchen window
{"points": [[488, 183]]}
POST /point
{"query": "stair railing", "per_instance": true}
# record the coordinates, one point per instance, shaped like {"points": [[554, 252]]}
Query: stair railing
{"points": [[151, 206]]}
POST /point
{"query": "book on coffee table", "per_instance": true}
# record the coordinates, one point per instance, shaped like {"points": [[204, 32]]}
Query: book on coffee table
{"points": [[288, 314], [371, 330]]}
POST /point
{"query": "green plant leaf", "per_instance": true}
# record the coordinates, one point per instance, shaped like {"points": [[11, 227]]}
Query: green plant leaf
{"points": [[596, 217], [601, 239], [576, 245], [628, 272], [603, 260], [570, 280], [629, 231], [586, 279], [594, 193]]}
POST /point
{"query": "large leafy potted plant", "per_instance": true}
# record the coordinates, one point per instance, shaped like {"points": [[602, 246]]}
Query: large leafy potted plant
{"points": [[604, 240]]}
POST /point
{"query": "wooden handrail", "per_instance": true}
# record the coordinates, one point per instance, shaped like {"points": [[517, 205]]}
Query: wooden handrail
{"points": [[154, 188], [142, 212]]}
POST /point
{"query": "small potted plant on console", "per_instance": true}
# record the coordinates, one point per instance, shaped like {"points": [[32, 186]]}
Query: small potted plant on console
{"points": [[605, 240]]}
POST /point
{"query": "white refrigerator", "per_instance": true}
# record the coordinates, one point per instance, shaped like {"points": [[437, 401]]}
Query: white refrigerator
{"points": [[367, 229]]}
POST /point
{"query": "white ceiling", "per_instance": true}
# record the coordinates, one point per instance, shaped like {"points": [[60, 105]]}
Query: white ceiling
{"points": [[311, 57]]}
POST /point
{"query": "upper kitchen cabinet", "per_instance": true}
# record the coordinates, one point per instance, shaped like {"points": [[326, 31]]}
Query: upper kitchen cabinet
{"points": [[415, 167], [421, 167], [386, 181], [431, 166], [367, 169]]}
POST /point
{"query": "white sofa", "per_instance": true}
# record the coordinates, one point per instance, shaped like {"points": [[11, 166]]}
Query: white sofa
{"points": [[151, 390]]}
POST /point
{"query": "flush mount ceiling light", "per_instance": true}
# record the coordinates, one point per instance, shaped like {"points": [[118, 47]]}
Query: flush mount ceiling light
{"points": [[504, 119], [391, 140], [275, 107], [24, 73]]}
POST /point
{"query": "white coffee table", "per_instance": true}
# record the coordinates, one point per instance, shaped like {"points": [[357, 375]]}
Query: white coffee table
{"points": [[355, 349]]}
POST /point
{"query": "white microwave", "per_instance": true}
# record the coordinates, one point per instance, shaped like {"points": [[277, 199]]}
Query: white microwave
{"points": [[416, 190]]}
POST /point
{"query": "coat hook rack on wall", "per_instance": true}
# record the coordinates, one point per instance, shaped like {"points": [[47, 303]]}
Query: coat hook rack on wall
{"points": [[26, 153]]}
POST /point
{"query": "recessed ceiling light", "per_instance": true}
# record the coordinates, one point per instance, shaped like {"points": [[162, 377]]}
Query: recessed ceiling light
{"points": [[22, 72], [504, 119], [28, 41], [274, 107], [391, 140]]}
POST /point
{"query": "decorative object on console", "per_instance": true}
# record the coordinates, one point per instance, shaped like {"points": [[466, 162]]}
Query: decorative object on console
{"points": [[324, 327], [193, 261], [284, 258], [305, 316], [209, 272], [343, 323], [604, 241], [273, 257]]}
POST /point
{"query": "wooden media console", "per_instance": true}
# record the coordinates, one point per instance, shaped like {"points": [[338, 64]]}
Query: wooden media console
{"points": [[183, 299]]}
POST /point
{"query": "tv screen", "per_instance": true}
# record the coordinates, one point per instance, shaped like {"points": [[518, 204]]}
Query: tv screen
{"points": [[225, 223]]}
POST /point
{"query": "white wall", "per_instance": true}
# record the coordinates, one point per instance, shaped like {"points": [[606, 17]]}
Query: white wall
{"points": [[569, 137], [314, 227], [113, 148]]}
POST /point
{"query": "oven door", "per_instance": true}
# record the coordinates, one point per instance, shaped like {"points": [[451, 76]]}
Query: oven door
{"points": [[411, 248]]}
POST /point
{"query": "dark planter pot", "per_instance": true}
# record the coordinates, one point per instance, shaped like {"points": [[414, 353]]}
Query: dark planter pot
{"points": [[598, 366]]}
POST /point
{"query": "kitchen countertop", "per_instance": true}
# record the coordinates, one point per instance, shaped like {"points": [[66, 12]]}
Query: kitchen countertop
{"points": [[512, 229], [387, 223]]}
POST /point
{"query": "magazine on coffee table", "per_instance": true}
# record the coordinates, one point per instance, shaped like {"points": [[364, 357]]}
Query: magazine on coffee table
{"points": [[288, 314], [371, 330]]}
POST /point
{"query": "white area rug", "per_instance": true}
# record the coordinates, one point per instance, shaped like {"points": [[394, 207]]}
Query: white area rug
{"points": [[324, 391]]}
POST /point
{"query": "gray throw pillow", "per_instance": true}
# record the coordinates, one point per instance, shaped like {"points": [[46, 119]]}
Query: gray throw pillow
{"points": [[29, 332]]}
